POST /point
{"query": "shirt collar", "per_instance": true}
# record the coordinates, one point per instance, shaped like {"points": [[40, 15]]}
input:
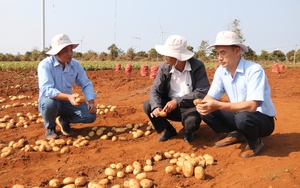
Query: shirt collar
{"points": [[240, 68], [187, 67]]}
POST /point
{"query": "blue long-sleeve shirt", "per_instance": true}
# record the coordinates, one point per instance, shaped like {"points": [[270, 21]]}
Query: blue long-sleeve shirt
{"points": [[54, 80]]}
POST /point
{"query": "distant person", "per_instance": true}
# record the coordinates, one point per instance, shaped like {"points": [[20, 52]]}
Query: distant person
{"points": [[56, 76], [250, 113], [180, 79]]}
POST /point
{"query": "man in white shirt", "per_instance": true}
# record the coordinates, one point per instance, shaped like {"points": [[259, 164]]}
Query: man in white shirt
{"points": [[180, 80]]}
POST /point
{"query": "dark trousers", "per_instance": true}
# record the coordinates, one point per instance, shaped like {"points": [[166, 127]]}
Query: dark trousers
{"points": [[189, 117], [251, 125]]}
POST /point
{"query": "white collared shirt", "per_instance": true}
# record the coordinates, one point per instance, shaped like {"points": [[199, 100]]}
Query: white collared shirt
{"points": [[181, 82]]}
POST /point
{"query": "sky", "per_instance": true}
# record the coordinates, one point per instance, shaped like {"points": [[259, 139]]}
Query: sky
{"points": [[97, 24]]}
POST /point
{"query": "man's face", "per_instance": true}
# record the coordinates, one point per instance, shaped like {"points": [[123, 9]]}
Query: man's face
{"points": [[170, 60], [227, 55], [65, 55]]}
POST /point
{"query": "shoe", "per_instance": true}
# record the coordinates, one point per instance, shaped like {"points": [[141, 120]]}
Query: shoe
{"points": [[189, 137], [50, 134], [247, 152], [232, 138], [65, 128], [166, 135]]}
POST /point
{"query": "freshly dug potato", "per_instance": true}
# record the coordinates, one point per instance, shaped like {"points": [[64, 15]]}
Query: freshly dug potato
{"points": [[141, 176], [187, 169], [208, 159], [133, 183], [197, 101], [68, 180], [170, 170], [79, 100], [81, 181], [162, 114], [199, 172], [54, 183], [110, 172], [146, 183]]}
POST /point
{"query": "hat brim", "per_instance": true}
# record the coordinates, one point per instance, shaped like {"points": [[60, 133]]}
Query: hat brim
{"points": [[182, 56], [242, 46], [55, 51]]}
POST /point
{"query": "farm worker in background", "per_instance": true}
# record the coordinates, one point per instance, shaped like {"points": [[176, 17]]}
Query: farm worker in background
{"points": [[250, 113], [180, 79], [56, 76]]}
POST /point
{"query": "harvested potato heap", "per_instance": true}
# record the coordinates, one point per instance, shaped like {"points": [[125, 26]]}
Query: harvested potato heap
{"points": [[24, 120], [136, 175], [64, 145]]}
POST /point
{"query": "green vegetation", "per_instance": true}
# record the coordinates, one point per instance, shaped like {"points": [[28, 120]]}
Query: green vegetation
{"points": [[105, 65]]}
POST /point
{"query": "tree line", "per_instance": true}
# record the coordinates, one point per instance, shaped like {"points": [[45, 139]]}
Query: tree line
{"points": [[116, 54]]}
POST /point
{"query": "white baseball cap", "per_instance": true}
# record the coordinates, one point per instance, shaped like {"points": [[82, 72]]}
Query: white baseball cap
{"points": [[228, 38], [59, 42], [175, 46]]}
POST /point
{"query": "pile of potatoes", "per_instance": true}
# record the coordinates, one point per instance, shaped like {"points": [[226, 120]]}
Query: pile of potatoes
{"points": [[135, 175], [188, 165], [103, 109], [56, 145], [115, 132], [64, 145], [23, 120]]}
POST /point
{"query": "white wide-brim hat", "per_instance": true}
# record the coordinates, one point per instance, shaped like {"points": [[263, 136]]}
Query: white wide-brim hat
{"points": [[228, 38], [59, 42], [175, 46]]}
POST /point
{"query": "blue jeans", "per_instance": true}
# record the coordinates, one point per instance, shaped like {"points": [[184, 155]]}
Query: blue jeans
{"points": [[51, 108]]}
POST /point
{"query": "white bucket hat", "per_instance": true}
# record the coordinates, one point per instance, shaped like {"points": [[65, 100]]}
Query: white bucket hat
{"points": [[228, 38], [59, 42], [175, 46]]}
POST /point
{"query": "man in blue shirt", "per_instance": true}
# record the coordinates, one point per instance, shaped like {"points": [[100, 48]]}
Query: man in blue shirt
{"points": [[56, 76], [249, 115]]}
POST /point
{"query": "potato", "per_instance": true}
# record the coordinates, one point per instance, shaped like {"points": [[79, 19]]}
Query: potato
{"points": [[162, 114], [137, 171], [94, 185], [157, 157], [187, 169], [65, 149], [18, 186], [170, 170], [81, 181], [208, 159], [110, 172], [104, 181], [129, 169], [68, 180], [136, 164], [197, 101], [148, 162], [141, 176], [139, 133], [133, 183], [168, 155], [119, 166], [146, 183], [120, 174], [199, 172], [54, 183], [79, 100], [148, 168]]}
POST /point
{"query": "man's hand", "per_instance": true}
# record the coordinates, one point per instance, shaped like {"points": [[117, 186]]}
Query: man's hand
{"points": [[170, 106]]}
